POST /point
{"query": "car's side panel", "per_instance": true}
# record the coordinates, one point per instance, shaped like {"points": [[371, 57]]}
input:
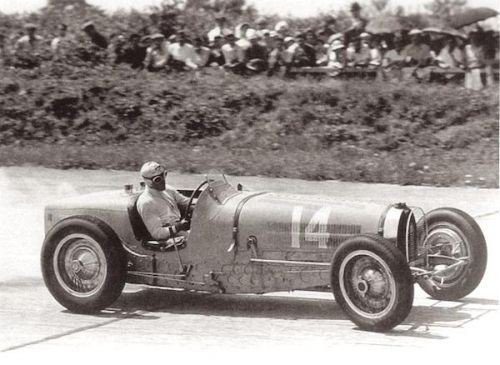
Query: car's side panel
{"points": [[286, 229]]}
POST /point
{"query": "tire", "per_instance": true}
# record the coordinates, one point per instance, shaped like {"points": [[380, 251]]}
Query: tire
{"points": [[464, 238], [383, 305], [83, 264]]}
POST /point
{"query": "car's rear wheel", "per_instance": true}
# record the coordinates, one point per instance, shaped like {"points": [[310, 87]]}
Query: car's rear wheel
{"points": [[453, 233], [371, 281], [83, 264]]}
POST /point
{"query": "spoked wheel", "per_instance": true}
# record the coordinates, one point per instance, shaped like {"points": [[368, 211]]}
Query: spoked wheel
{"points": [[83, 264], [80, 265], [371, 281], [453, 234]]}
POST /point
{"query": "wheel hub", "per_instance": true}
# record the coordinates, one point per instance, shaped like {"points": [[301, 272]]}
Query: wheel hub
{"points": [[367, 284], [80, 265], [447, 242], [372, 283], [76, 266]]}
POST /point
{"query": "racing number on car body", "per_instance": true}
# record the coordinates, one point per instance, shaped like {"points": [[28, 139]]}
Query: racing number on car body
{"points": [[316, 229]]}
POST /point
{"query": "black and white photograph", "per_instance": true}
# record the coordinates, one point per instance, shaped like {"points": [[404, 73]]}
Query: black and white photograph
{"points": [[247, 180]]}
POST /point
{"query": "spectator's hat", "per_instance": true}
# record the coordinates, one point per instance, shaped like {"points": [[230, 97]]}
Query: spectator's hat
{"points": [[134, 35], [329, 20], [337, 44], [172, 38], [415, 32], [265, 31], [261, 21], [252, 34], [220, 16], [281, 25], [298, 35], [321, 33], [157, 36], [88, 25], [274, 34], [226, 32], [355, 7], [30, 26], [289, 39], [151, 169], [364, 35], [334, 37]]}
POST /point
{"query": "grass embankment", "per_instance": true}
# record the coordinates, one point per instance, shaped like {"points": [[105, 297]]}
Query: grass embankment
{"points": [[348, 130]]}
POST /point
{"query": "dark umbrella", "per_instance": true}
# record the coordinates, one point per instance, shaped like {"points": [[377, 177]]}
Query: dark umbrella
{"points": [[471, 16], [384, 24], [445, 31]]}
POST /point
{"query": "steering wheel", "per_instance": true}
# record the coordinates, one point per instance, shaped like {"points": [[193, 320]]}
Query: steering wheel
{"points": [[187, 213]]}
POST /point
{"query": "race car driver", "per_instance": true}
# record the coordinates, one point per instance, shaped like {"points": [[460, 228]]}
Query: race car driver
{"points": [[160, 205]]}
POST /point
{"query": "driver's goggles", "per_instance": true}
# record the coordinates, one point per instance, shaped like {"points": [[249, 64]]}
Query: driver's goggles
{"points": [[158, 178]]}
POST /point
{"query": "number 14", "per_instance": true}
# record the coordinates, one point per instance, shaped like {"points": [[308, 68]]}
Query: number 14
{"points": [[316, 229]]}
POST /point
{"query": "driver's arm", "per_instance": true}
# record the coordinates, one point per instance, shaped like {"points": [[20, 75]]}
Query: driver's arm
{"points": [[151, 218], [182, 201]]}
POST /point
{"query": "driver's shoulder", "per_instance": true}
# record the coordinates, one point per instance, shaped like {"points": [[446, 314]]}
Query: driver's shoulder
{"points": [[170, 188]]}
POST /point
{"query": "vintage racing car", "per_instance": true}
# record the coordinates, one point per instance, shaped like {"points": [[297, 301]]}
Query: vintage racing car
{"points": [[243, 241]]}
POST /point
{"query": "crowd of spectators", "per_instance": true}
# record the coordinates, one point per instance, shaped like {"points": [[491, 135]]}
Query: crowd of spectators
{"points": [[273, 49]]}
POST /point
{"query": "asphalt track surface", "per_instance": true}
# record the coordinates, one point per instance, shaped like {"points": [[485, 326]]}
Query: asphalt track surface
{"points": [[173, 322]]}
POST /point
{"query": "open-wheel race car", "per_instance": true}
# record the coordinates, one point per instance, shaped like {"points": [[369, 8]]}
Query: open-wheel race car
{"points": [[243, 241]]}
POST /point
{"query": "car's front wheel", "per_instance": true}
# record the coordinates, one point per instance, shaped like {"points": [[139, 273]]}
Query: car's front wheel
{"points": [[372, 282], [83, 264], [452, 233]]}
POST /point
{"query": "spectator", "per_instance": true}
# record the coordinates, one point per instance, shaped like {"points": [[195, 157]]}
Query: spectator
{"points": [[363, 53], [275, 58], [450, 56], [417, 53], [336, 59], [134, 52], [94, 36], [289, 52], [474, 62], [351, 53], [282, 28], [321, 48], [60, 44], [233, 54], [202, 53], [393, 60], [489, 46], [157, 55], [255, 55], [261, 26], [242, 32], [375, 54], [2, 49], [216, 57], [220, 30], [328, 28], [27, 49], [182, 53], [394, 57], [358, 22], [265, 39], [117, 48], [304, 54]]}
